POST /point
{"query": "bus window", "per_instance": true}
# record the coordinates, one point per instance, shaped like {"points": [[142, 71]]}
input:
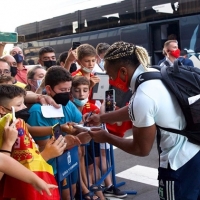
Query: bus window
{"points": [[155, 10], [128, 13]]}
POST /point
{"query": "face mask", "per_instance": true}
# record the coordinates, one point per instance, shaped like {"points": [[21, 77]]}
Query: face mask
{"points": [[39, 82], [101, 64], [62, 98], [79, 102], [23, 114], [37, 85], [85, 69], [119, 83], [175, 53], [49, 63], [13, 71], [18, 58]]}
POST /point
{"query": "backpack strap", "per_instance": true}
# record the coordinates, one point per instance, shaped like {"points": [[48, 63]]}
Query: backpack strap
{"points": [[172, 130], [166, 63], [146, 76], [158, 139], [141, 79]]}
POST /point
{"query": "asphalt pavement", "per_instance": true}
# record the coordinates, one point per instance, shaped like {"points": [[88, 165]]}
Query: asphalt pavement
{"points": [[138, 173]]}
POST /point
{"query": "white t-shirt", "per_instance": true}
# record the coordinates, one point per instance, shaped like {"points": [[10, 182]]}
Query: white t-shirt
{"points": [[152, 104]]}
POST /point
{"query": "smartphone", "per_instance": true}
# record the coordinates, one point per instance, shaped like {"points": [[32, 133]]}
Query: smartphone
{"points": [[13, 114], [109, 100], [56, 130], [21, 38], [75, 45], [8, 37]]}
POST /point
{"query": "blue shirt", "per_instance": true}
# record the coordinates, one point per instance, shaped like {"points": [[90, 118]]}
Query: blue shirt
{"points": [[71, 114], [186, 61]]}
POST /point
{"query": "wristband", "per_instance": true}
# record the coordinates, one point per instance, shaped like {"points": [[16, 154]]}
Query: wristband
{"points": [[5, 151]]}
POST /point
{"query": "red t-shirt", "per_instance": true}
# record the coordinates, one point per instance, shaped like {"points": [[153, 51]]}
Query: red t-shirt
{"points": [[119, 130], [88, 107], [21, 75]]}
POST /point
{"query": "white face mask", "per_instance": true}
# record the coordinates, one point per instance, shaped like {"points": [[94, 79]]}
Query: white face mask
{"points": [[87, 70], [79, 102]]}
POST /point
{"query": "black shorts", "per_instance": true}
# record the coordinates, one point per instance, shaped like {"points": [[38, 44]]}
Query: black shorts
{"points": [[93, 150]]}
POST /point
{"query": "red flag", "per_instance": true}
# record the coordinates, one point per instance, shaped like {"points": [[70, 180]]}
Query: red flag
{"points": [[26, 152]]}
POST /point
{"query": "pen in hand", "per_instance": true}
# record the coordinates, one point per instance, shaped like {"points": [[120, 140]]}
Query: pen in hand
{"points": [[85, 123]]}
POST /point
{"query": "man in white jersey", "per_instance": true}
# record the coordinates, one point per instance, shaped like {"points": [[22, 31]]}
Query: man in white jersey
{"points": [[152, 104]]}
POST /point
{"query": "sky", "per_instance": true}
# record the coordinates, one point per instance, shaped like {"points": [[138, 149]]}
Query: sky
{"points": [[15, 13]]}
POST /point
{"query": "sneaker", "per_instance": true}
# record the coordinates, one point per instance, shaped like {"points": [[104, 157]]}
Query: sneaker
{"points": [[114, 192]]}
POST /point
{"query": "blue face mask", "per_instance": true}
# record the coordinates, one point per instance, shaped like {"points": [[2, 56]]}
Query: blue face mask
{"points": [[18, 58], [79, 102], [36, 84], [101, 64], [39, 83]]}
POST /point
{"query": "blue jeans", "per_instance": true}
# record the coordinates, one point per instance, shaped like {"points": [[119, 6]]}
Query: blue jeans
{"points": [[182, 184]]}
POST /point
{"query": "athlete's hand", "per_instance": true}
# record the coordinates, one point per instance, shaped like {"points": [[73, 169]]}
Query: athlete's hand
{"points": [[99, 135], [93, 120], [84, 137]]}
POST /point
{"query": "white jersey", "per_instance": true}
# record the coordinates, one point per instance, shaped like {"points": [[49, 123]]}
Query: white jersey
{"points": [[152, 104]]}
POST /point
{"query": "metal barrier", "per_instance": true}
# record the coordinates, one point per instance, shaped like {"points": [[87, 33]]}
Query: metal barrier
{"points": [[69, 161]]}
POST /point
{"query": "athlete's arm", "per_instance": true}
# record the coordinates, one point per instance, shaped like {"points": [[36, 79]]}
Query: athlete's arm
{"points": [[140, 145], [111, 117]]}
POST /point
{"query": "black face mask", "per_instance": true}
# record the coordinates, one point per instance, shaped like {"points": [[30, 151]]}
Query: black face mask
{"points": [[49, 63], [23, 114], [13, 71], [62, 98], [18, 58]]}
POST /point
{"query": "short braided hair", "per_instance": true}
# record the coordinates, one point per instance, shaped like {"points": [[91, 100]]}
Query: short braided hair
{"points": [[123, 53]]}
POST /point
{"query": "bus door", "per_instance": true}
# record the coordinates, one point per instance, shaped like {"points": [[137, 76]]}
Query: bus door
{"points": [[159, 34], [136, 34]]}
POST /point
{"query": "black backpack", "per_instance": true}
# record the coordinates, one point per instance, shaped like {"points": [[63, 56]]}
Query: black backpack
{"points": [[183, 82]]}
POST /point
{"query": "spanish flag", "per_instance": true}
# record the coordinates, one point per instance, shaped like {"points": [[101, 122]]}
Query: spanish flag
{"points": [[26, 152]]}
